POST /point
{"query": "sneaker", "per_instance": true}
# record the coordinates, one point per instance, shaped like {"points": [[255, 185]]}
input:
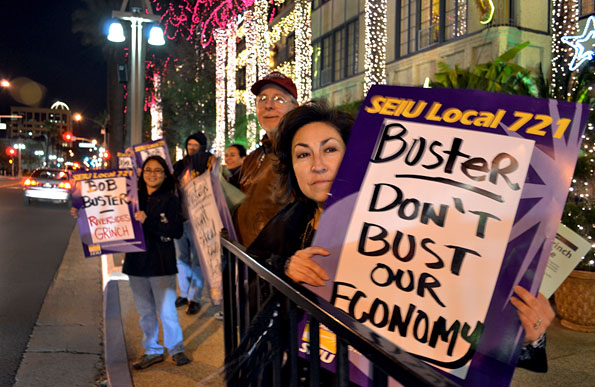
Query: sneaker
{"points": [[193, 308], [147, 361], [180, 359], [180, 301], [219, 316]]}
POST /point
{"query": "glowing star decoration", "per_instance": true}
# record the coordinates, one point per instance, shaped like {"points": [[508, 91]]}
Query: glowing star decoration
{"points": [[578, 44]]}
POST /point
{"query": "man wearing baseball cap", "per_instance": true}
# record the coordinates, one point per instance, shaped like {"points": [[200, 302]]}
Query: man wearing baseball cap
{"points": [[276, 94]]}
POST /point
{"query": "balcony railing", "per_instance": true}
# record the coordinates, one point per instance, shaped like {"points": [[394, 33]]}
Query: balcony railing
{"points": [[246, 281]]}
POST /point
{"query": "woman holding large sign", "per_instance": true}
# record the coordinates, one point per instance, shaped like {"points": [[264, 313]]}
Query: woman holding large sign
{"points": [[310, 145], [152, 274]]}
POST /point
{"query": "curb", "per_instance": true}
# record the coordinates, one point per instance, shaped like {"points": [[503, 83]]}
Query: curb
{"points": [[116, 358]]}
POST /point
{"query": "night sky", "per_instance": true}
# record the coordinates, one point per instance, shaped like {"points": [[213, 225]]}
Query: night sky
{"points": [[36, 42]]}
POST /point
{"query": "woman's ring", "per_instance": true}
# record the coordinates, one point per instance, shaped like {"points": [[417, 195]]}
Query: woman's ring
{"points": [[537, 324]]}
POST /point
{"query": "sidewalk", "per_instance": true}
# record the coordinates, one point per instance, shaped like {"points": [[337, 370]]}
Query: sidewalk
{"points": [[66, 344]]}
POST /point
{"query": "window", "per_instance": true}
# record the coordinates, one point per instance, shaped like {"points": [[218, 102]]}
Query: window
{"points": [[352, 48], [429, 20], [339, 54], [425, 23], [335, 55], [326, 73]]}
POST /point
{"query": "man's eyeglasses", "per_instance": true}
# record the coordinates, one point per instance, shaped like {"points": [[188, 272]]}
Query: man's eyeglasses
{"points": [[277, 100], [154, 171]]}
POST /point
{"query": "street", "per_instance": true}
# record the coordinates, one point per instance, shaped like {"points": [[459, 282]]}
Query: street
{"points": [[33, 240]]}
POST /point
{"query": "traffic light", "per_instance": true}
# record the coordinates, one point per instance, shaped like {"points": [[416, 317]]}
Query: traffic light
{"points": [[105, 155], [10, 151], [67, 136]]}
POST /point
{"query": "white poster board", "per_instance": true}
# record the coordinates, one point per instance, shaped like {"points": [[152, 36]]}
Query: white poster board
{"points": [[409, 239], [106, 206], [206, 230]]}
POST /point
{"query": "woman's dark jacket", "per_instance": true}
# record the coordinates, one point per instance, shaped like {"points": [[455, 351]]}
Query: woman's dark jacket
{"points": [[282, 236], [164, 223]]}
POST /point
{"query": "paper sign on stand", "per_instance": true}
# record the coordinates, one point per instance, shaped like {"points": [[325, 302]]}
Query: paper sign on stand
{"points": [[568, 249]]}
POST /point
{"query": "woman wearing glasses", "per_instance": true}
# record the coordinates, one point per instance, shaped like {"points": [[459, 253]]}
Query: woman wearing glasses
{"points": [[152, 273]]}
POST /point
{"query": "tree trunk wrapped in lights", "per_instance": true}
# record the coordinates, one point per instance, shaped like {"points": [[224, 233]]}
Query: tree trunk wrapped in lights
{"points": [[220, 48], [232, 31], [375, 42], [251, 74], [303, 50]]}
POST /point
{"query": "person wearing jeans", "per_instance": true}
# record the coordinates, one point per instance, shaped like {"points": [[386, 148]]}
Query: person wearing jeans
{"points": [[190, 278]]}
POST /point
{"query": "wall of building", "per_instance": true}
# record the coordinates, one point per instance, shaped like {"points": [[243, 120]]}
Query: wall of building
{"points": [[480, 44]]}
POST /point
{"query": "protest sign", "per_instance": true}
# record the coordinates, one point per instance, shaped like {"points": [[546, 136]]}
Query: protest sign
{"points": [[203, 214], [152, 148], [126, 161], [568, 249], [445, 200], [107, 201]]}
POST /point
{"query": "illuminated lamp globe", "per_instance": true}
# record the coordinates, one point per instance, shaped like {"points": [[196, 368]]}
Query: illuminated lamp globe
{"points": [[156, 36], [116, 32]]}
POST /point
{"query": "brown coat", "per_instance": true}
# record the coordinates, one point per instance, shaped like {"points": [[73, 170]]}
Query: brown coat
{"points": [[265, 193]]}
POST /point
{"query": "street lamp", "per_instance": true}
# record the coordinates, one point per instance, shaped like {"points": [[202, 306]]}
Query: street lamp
{"points": [[140, 12]]}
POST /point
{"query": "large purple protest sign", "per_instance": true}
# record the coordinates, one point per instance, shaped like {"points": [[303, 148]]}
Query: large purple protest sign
{"points": [[152, 148], [445, 200], [107, 200]]}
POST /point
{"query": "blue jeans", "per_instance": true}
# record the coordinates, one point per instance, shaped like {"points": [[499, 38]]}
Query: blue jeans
{"points": [[190, 278], [154, 295]]}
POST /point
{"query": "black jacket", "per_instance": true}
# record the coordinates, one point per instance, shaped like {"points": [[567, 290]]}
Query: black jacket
{"points": [[164, 223]]}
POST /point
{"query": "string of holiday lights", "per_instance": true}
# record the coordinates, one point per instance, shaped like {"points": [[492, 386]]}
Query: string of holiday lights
{"points": [[303, 50], [251, 77], [564, 22], [260, 20], [231, 78], [220, 46], [287, 68], [156, 110], [375, 43], [284, 26]]}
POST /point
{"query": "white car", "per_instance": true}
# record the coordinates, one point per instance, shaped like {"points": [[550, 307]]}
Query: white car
{"points": [[47, 184]]}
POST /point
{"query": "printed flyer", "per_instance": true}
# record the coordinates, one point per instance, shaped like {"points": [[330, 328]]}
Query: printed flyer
{"points": [[152, 148], [445, 200], [107, 200]]}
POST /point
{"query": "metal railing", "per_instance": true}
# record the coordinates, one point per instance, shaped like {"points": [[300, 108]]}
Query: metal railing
{"points": [[246, 282]]}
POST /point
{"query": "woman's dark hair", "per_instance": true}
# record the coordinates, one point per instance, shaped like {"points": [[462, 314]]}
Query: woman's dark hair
{"points": [[241, 149], [313, 111], [169, 184]]}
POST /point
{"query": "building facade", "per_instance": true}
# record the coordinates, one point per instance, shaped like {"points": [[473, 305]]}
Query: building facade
{"points": [[420, 35]]}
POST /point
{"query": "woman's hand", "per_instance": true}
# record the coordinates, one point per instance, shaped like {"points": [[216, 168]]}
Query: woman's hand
{"points": [[536, 313], [141, 216], [301, 267], [74, 212]]}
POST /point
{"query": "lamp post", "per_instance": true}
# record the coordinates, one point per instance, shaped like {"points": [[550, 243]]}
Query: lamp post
{"points": [[140, 12]]}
